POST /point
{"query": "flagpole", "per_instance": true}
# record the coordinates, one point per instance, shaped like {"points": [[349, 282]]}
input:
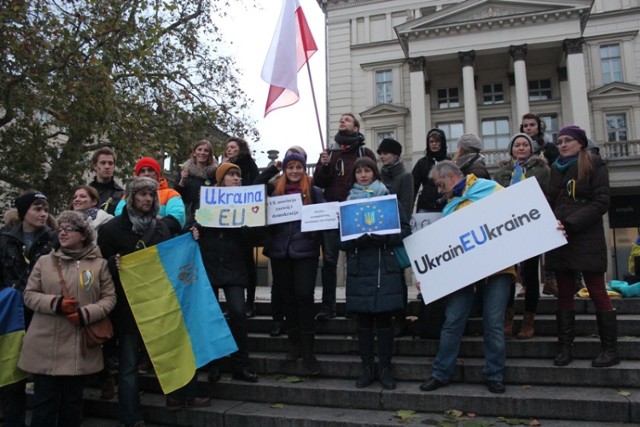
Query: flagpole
{"points": [[315, 104]]}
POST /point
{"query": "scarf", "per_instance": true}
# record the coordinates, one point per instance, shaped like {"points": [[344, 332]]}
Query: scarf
{"points": [[208, 172], [140, 223], [393, 169], [349, 140], [375, 189], [518, 173], [91, 212], [563, 163], [292, 188], [476, 189], [78, 253]]}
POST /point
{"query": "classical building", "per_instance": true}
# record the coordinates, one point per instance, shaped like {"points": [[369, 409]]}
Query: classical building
{"points": [[405, 66]]}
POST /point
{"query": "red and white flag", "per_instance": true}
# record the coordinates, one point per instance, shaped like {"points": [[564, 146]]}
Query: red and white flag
{"points": [[291, 48]]}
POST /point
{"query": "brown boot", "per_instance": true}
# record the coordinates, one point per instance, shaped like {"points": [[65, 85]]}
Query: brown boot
{"points": [[108, 388], [526, 329], [508, 322], [550, 286]]}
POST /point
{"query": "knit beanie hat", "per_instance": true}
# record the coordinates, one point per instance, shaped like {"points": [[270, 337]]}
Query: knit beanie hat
{"points": [[470, 142], [294, 156], [532, 144], [575, 132], [24, 202], [80, 222], [389, 145], [223, 169], [148, 162], [142, 183], [297, 149]]}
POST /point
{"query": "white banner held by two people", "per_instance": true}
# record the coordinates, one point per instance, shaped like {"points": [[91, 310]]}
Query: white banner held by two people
{"points": [[485, 237]]}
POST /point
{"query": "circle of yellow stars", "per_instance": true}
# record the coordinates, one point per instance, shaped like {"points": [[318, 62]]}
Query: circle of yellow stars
{"points": [[361, 225]]}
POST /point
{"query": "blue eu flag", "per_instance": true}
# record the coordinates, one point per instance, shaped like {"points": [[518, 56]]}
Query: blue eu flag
{"points": [[377, 215]]}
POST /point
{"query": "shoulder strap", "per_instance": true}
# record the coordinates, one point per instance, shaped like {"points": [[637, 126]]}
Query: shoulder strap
{"points": [[63, 283]]}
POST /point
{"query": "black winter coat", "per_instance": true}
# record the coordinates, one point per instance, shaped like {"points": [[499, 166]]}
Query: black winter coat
{"points": [[586, 249], [117, 237], [375, 281], [224, 255], [110, 194], [248, 169], [15, 263]]}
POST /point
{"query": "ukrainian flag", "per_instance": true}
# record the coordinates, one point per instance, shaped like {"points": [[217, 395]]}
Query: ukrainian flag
{"points": [[179, 318], [11, 335]]}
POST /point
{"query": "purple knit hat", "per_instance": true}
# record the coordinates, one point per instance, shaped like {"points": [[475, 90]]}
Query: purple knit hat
{"points": [[575, 132]]}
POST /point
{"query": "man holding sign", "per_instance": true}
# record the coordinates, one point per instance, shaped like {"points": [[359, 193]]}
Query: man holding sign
{"points": [[462, 191]]}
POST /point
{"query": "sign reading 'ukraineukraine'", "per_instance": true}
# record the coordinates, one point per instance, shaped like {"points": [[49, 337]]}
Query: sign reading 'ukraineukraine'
{"points": [[483, 238], [232, 207]]}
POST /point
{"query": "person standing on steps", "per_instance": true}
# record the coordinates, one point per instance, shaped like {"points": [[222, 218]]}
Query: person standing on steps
{"points": [[103, 162], [524, 164], [579, 197], [294, 260], [461, 191], [429, 200], [332, 175], [375, 282]]}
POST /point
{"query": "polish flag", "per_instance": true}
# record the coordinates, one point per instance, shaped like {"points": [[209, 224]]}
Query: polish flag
{"points": [[291, 48]]}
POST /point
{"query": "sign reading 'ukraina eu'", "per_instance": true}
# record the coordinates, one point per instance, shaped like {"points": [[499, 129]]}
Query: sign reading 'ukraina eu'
{"points": [[232, 207], [483, 238], [377, 215]]}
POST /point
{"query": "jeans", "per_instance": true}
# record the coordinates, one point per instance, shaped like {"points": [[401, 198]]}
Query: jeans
{"points": [[297, 280], [495, 297], [129, 409], [57, 398], [13, 400], [330, 252]]}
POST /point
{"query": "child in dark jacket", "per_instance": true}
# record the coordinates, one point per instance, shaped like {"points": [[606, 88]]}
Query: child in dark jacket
{"points": [[375, 282]]}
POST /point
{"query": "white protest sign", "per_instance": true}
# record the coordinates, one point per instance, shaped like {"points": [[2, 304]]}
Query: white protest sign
{"points": [[232, 207], [485, 237], [285, 208], [422, 219], [320, 216]]}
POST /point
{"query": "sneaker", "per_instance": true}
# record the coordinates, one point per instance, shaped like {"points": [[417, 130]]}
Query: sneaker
{"points": [[496, 386], [326, 313]]}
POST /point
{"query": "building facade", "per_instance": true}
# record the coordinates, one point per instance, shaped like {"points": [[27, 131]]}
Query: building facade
{"points": [[405, 66]]}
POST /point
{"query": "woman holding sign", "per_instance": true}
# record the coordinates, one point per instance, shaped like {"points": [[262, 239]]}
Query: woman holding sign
{"points": [[579, 197], [294, 260], [375, 285], [224, 255], [524, 164]]}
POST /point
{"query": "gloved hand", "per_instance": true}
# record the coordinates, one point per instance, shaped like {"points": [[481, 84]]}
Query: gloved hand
{"points": [[73, 318], [69, 305]]}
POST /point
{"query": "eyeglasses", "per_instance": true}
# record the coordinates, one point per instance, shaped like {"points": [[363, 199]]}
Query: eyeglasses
{"points": [[564, 141], [68, 229]]}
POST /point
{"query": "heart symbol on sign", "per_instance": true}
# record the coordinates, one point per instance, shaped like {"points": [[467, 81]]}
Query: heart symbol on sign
{"points": [[255, 209]]}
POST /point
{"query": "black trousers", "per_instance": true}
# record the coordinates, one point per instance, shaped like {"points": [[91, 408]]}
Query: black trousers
{"points": [[57, 398], [296, 279]]}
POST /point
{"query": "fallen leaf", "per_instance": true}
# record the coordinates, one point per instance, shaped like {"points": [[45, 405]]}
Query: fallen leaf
{"points": [[624, 393], [290, 379], [278, 406], [534, 423], [406, 414], [527, 386], [453, 414]]}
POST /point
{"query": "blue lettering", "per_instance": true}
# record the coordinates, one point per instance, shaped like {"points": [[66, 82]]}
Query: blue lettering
{"points": [[241, 222], [224, 216], [466, 244], [479, 242]]}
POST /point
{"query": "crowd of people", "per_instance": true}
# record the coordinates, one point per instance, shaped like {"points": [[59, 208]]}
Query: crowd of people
{"points": [[68, 267]]}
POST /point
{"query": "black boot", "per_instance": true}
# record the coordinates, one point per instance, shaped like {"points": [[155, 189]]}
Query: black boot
{"points": [[294, 352], [566, 321], [308, 358], [385, 350], [365, 346], [608, 330]]}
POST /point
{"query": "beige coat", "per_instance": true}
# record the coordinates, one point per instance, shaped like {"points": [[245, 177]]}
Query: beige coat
{"points": [[52, 344]]}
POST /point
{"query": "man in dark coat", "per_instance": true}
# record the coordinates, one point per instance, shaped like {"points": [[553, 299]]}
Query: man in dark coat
{"points": [[332, 175]]}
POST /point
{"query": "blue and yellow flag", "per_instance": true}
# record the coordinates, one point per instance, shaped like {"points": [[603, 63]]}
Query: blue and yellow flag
{"points": [[377, 215], [179, 318], [11, 335]]}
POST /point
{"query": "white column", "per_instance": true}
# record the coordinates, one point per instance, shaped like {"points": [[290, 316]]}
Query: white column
{"points": [[518, 53], [577, 84], [470, 103], [418, 108]]}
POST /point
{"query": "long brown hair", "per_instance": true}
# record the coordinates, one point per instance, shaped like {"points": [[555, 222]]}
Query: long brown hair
{"points": [[585, 165], [305, 186]]}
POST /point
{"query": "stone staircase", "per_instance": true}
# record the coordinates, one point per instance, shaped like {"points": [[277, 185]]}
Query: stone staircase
{"points": [[536, 390]]}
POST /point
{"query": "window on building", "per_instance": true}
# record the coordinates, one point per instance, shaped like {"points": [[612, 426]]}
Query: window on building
{"points": [[551, 126], [453, 131], [448, 98], [611, 63], [492, 93], [539, 90], [616, 127], [385, 134], [495, 133], [384, 87]]}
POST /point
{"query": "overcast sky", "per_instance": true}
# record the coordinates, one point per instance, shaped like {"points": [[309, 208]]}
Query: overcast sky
{"points": [[250, 31]]}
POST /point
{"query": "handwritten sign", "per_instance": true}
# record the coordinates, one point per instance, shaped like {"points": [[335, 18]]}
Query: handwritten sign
{"points": [[485, 237], [321, 216], [232, 207], [376, 215], [285, 208]]}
